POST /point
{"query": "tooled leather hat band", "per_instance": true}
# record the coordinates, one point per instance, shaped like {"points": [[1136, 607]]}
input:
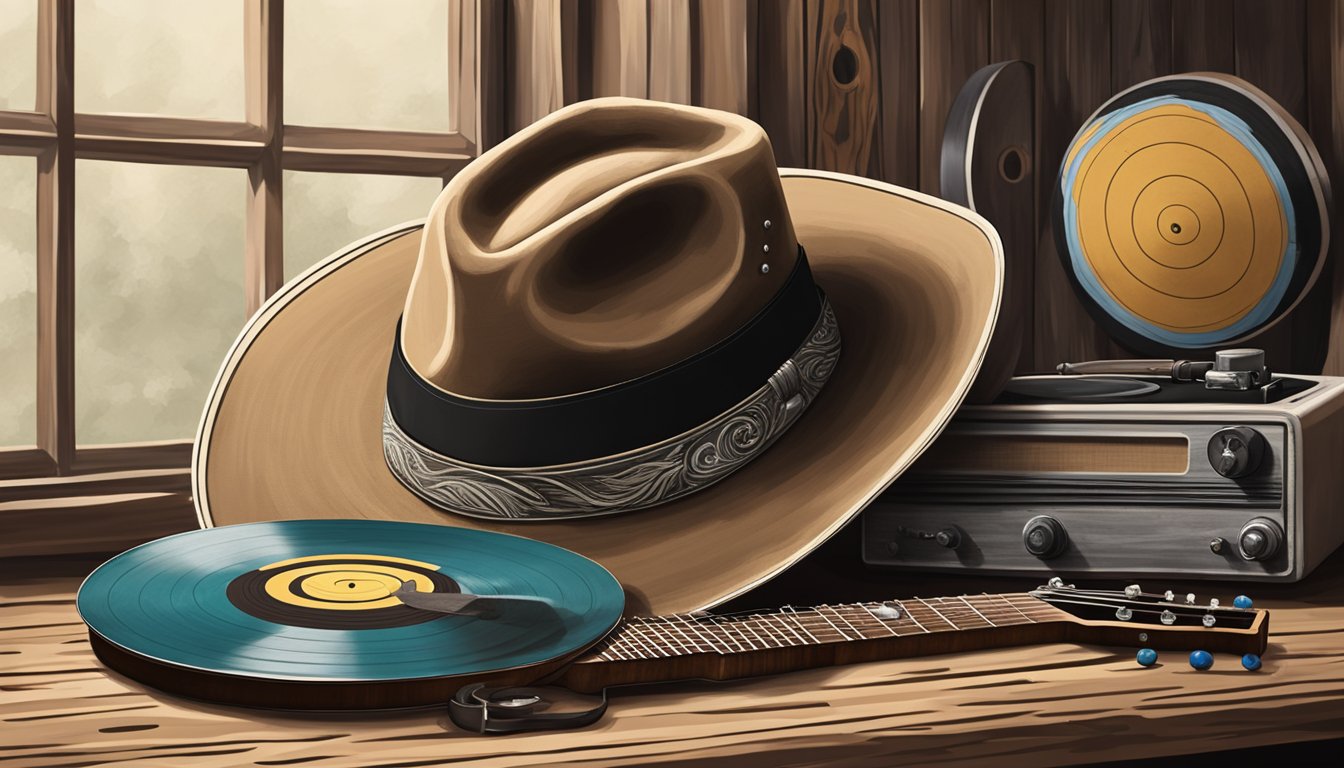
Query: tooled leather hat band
{"points": [[632, 445]]}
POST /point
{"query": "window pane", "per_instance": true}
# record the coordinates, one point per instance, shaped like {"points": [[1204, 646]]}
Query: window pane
{"points": [[161, 57], [18, 54], [18, 301], [359, 64], [326, 211], [158, 295]]}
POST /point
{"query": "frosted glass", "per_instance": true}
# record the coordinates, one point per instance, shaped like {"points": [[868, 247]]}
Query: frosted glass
{"points": [[158, 295], [327, 211], [362, 64], [18, 54], [160, 57], [18, 301]]}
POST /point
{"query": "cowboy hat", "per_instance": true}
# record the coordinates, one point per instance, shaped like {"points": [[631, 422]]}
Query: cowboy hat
{"points": [[622, 331]]}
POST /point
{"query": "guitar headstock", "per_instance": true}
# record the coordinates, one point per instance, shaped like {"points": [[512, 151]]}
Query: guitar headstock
{"points": [[1168, 620]]}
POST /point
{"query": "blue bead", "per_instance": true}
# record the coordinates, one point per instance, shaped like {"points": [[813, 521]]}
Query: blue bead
{"points": [[1201, 660], [1250, 661], [1242, 601], [1147, 657]]}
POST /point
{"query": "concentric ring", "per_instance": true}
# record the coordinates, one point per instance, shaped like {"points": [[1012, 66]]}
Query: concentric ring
{"points": [[169, 601], [1191, 212]]}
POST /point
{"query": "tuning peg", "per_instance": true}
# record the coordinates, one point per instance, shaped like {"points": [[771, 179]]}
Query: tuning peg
{"points": [[1243, 602], [1133, 591], [1169, 596], [1190, 599], [1201, 660], [1167, 617], [1213, 602], [1123, 613], [1055, 583], [1209, 620], [1251, 662]]}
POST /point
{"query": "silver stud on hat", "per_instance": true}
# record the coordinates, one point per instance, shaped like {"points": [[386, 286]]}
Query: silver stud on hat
{"points": [[765, 269], [765, 248], [766, 224]]}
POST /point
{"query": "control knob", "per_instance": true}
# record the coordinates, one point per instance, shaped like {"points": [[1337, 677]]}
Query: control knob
{"points": [[1261, 539], [1044, 537], [1236, 451]]}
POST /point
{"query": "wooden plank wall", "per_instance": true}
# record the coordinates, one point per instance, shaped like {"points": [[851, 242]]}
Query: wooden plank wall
{"points": [[863, 86]]}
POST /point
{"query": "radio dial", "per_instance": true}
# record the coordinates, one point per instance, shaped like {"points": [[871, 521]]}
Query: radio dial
{"points": [[1044, 537], [1236, 451], [1261, 539]]}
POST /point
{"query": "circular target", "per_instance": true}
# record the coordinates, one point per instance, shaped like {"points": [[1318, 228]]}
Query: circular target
{"points": [[305, 613], [1191, 212]]}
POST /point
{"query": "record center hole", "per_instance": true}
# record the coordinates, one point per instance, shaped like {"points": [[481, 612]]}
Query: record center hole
{"points": [[845, 65], [1013, 165], [1175, 228]]}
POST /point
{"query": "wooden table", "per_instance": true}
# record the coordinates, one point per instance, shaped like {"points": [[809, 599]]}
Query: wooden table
{"points": [[1051, 705]]}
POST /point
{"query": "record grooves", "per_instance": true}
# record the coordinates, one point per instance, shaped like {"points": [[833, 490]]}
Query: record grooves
{"points": [[301, 614]]}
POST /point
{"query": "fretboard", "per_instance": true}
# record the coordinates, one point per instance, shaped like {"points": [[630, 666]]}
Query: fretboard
{"points": [[663, 637]]}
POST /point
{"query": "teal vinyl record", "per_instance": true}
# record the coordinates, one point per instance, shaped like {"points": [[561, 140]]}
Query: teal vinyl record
{"points": [[313, 614]]}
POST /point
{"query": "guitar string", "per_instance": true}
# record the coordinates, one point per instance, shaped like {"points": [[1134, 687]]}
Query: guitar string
{"points": [[668, 631]]}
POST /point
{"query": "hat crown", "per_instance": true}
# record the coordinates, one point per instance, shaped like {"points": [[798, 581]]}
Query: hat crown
{"points": [[612, 239]]}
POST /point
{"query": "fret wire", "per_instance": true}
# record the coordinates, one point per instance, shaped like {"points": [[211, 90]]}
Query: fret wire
{"points": [[641, 630], [615, 650], [952, 614], [937, 613], [765, 633], [726, 625], [846, 612], [1010, 604], [662, 624], [906, 611], [778, 630], [825, 618], [621, 639], [696, 626], [691, 645], [745, 626], [663, 636], [792, 613], [967, 603], [861, 618], [637, 637], [732, 629], [809, 618], [804, 619], [879, 621], [779, 620], [847, 622], [628, 648]]}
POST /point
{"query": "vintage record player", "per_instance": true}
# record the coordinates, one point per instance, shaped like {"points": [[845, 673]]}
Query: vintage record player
{"points": [[1190, 214], [1113, 474]]}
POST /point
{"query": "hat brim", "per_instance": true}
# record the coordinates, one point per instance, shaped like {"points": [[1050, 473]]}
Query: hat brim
{"points": [[292, 426]]}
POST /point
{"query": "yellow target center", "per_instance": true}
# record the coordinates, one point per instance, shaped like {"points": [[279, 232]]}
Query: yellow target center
{"points": [[344, 582], [1177, 224]]}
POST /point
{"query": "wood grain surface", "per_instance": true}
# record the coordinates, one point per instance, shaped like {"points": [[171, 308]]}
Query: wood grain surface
{"points": [[1050, 705]]}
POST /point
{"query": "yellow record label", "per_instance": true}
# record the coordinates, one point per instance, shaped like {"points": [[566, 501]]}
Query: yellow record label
{"points": [[1178, 220]]}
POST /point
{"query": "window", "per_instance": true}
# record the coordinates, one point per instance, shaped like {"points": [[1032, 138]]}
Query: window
{"points": [[148, 210]]}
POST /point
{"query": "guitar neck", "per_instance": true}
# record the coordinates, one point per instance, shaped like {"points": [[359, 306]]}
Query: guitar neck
{"points": [[724, 647]]}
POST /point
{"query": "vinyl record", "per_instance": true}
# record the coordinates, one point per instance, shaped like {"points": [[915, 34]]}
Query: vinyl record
{"points": [[301, 614], [1191, 212]]}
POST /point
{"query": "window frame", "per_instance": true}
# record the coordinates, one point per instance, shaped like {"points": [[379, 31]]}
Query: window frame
{"points": [[57, 136]]}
